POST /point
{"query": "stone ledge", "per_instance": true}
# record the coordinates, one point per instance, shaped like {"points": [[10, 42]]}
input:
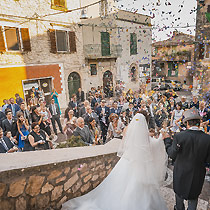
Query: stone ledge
{"points": [[31, 159]]}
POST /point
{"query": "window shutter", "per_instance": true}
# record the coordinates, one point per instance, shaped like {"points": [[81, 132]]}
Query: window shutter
{"points": [[105, 44], [201, 51], [52, 40], [208, 9], [72, 42], [133, 44], [26, 39], [2, 43]]}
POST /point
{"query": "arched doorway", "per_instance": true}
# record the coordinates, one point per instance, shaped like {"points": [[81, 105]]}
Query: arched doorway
{"points": [[74, 82], [108, 83]]}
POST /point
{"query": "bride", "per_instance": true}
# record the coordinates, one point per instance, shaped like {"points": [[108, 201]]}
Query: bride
{"points": [[134, 182]]}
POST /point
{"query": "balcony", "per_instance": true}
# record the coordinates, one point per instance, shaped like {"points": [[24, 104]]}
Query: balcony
{"points": [[178, 56], [93, 51]]}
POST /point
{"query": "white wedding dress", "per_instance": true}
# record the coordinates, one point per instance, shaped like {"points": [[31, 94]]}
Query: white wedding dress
{"points": [[134, 182]]}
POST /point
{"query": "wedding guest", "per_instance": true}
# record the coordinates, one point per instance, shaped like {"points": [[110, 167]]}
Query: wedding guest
{"points": [[151, 110], [10, 124], [40, 94], [90, 114], [70, 126], [38, 117], [74, 105], [103, 113], [23, 129], [82, 110], [176, 117], [54, 95], [2, 117], [55, 113], [19, 100], [115, 129], [94, 130], [96, 100], [124, 118], [194, 102], [25, 112], [115, 108], [80, 96], [37, 139], [6, 146], [185, 105], [203, 111], [83, 131], [5, 105], [8, 134], [13, 106]]}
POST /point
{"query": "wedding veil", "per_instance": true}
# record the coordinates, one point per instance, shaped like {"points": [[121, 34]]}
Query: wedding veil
{"points": [[147, 155]]}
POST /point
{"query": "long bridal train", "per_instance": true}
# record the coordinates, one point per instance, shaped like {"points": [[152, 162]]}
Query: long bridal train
{"points": [[134, 182]]}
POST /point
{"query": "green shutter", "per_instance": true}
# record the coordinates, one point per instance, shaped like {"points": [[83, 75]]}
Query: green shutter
{"points": [[176, 69], [169, 69], [105, 44], [133, 44], [208, 16]]}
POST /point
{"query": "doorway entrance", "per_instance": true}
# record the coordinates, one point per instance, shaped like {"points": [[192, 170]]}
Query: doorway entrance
{"points": [[74, 82], [45, 83], [108, 83]]}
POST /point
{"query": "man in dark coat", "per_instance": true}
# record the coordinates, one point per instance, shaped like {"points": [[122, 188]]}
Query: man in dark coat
{"points": [[6, 146], [115, 109], [191, 151], [103, 113], [55, 112], [10, 124], [90, 114], [80, 96]]}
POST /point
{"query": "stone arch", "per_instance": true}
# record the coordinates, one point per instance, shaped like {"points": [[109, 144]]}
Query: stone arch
{"points": [[74, 82]]}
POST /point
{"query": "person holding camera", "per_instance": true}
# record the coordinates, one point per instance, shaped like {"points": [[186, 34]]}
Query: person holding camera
{"points": [[37, 139], [23, 129]]}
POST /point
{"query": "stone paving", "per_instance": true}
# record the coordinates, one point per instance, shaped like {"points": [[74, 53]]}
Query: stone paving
{"points": [[168, 193]]}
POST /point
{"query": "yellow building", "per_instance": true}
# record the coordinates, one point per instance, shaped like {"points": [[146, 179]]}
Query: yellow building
{"points": [[173, 58]]}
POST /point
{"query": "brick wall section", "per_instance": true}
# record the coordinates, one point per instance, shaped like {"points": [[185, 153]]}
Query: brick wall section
{"points": [[45, 71], [48, 186]]}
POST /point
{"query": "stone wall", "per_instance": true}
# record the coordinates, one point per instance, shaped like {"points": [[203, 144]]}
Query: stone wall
{"points": [[48, 186]]}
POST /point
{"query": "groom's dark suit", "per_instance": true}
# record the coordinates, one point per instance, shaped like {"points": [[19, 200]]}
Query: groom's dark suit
{"points": [[190, 160]]}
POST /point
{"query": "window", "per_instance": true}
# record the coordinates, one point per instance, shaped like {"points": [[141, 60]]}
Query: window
{"points": [[93, 69], [173, 49], [133, 73], [133, 44], [62, 41], [201, 51], [207, 51], [105, 44], [173, 69], [59, 4], [14, 39]]}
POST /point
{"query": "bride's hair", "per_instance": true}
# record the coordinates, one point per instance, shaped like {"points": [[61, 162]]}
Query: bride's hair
{"points": [[145, 113]]}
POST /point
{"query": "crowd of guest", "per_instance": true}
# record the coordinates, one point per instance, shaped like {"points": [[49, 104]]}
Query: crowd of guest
{"points": [[93, 117]]}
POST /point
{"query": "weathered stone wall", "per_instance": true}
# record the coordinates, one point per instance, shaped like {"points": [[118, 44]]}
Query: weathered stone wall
{"points": [[48, 186]]}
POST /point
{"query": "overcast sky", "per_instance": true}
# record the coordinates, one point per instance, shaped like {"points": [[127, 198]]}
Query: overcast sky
{"points": [[165, 13]]}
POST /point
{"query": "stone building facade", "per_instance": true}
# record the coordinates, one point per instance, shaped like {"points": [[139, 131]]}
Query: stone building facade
{"points": [[202, 49], [173, 58], [38, 48], [45, 43], [127, 54]]}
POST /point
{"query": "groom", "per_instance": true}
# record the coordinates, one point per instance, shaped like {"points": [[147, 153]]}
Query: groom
{"points": [[191, 151]]}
